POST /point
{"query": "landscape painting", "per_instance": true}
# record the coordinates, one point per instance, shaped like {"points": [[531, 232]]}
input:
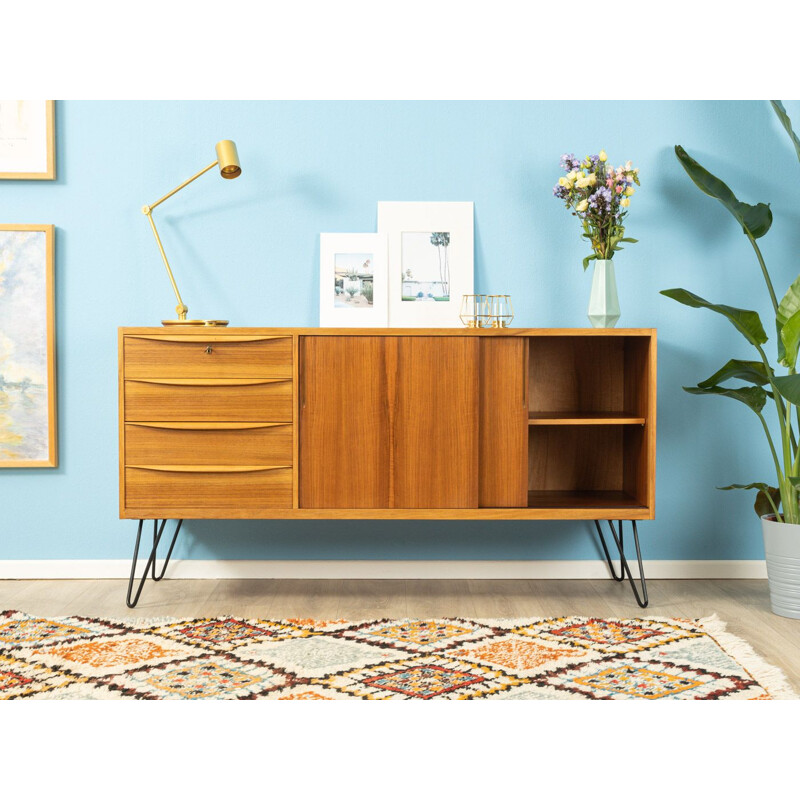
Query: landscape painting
{"points": [[354, 280], [27, 390], [425, 266]]}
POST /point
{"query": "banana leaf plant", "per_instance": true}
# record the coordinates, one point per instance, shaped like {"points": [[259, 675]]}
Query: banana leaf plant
{"points": [[761, 382]]}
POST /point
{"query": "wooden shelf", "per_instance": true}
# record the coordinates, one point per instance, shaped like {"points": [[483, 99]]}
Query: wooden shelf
{"points": [[582, 499], [595, 418]]}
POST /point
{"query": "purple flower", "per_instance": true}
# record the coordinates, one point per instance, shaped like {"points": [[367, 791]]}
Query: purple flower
{"points": [[567, 161], [600, 199]]}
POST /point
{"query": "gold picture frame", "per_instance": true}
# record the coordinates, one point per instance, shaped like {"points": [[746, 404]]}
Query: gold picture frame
{"points": [[28, 426], [27, 138]]}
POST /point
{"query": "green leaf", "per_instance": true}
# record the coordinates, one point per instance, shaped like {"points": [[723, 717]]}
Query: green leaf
{"points": [[781, 348], [628, 239], [746, 322], [789, 387], [790, 304], [755, 220], [750, 371], [790, 336], [787, 124], [762, 504], [753, 397], [587, 260]]}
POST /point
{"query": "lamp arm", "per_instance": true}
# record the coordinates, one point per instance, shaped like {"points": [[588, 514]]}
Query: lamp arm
{"points": [[148, 211]]}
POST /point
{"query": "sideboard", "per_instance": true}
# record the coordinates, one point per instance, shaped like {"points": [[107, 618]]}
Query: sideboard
{"points": [[328, 423]]}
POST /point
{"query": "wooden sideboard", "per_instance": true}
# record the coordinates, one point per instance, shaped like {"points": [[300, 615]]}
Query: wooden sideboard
{"points": [[323, 423]]}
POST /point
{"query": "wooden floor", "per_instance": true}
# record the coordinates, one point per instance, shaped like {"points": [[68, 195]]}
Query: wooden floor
{"points": [[744, 605]]}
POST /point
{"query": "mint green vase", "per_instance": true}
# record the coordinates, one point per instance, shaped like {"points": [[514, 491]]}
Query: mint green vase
{"points": [[603, 302]]}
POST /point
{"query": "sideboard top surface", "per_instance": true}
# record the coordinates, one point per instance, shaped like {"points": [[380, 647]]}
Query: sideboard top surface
{"points": [[206, 331]]}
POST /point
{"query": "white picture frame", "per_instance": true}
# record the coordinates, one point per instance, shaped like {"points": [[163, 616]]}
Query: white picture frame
{"points": [[431, 256], [353, 265], [27, 140]]}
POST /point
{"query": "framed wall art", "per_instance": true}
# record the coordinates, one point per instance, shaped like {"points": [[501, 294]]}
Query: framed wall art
{"points": [[353, 280], [27, 347], [431, 261], [27, 140]]}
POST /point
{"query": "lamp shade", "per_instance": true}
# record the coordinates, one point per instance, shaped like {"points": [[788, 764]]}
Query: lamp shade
{"points": [[228, 159]]}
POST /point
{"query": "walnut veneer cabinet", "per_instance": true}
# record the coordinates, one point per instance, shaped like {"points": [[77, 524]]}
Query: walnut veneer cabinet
{"points": [[323, 423]]}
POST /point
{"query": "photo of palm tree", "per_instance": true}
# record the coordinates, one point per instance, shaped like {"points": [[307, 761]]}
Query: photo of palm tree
{"points": [[353, 279], [425, 266]]}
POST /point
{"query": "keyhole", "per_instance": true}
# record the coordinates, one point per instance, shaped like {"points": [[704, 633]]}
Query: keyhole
{"points": [[209, 350]]}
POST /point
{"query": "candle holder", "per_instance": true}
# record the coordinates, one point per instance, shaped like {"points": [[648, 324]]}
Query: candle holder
{"points": [[470, 310]]}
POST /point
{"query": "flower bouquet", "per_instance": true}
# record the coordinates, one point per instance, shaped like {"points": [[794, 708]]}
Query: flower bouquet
{"points": [[599, 196]]}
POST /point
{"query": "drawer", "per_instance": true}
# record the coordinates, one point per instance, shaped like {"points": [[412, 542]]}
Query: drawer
{"points": [[223, 443], [190, 400], [173, 488], [212, 357]]}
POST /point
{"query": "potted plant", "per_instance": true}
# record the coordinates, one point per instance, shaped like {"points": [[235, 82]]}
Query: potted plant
{"points": [[599, 195], [763, 386]]}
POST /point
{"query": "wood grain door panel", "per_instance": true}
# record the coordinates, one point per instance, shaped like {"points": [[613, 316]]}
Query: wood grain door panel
{"points": [[435, 423], [344, 422], [503, 459]]}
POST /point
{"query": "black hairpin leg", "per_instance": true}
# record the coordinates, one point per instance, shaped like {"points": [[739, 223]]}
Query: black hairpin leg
{"points": [[151, 561], [624, 569]]}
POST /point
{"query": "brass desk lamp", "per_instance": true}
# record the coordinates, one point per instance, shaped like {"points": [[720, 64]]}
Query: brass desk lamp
{"points": [[228, 161]]}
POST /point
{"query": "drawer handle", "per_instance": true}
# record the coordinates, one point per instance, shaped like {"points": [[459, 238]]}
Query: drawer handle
{"points": [[201, 468], [209, 426], [187, 339], [209, 381], [209, 349]]}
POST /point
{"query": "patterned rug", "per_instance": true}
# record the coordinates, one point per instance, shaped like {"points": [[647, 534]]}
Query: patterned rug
{"points": [[567, 658]]}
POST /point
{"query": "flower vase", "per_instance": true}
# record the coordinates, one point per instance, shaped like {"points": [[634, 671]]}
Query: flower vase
{"points": [[603, 302]]}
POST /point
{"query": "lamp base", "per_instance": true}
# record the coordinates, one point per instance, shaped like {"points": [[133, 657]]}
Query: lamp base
{"points": [[208, 323]]}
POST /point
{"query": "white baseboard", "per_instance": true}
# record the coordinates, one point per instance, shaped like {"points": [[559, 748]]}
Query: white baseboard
{"points": [[83, 569]]}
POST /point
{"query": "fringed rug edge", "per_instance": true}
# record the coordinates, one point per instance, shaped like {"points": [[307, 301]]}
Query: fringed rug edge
{"points": [[770, 677]]}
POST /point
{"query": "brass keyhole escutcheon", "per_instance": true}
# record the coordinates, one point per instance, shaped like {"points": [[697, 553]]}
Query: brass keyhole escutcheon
{"points": [[209, 349]]}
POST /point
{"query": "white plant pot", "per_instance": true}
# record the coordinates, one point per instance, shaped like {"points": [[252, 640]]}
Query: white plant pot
{"points": [[603, 302], [782, 549]]}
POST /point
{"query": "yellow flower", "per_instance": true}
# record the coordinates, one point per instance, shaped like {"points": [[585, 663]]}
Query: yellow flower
{"points": [[582, 183], [562, 181], [571, 176], [582, 206], [592, 179], [629, 191], [603, 156], [625, 202]]}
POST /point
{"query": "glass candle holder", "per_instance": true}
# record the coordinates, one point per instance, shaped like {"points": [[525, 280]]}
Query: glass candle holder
{"points": [[470, 309], [502, 311]]}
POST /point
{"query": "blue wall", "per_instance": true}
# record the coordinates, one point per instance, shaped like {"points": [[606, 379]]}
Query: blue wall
{"points": [[249, 251]]}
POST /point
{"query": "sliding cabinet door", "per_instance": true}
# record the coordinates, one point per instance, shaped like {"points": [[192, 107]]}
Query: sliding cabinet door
{"points": [[344, 422], [435, 422], [503, 467]]}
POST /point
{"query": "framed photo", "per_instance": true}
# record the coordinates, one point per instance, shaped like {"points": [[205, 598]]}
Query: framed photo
{"points": [[431, 261], [353, 277], [27, 347], [27, 140]]}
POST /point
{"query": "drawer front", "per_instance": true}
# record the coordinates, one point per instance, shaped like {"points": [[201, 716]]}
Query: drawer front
{"points": [[252, 444], [212, 401], [170, 490], [196, 357]]}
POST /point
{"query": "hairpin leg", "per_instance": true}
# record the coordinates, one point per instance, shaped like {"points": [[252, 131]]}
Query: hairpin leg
{"points": [[624, 569], [151, 561]]}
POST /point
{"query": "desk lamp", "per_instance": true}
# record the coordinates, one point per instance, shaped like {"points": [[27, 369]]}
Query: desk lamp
{"points": [[228, 161]]}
